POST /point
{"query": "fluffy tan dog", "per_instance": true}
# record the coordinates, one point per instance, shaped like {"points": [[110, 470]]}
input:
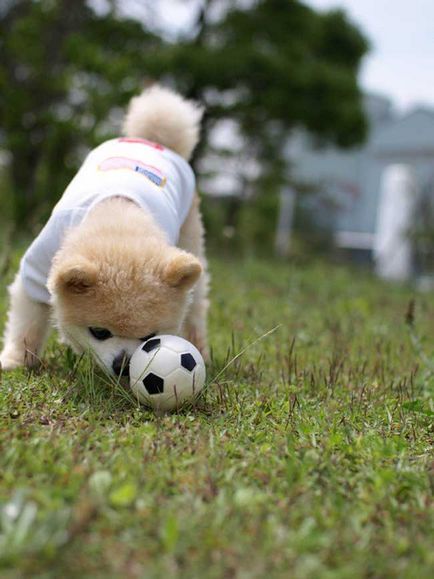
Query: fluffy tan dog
{"points": [[107, 272]]}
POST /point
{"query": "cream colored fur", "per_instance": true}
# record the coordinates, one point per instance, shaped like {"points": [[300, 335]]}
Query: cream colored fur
{"points": [[163, 116], [116, 270], [26, 329]]}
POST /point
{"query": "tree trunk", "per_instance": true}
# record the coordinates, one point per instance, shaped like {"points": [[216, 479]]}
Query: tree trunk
{"points": [[285, 221]]}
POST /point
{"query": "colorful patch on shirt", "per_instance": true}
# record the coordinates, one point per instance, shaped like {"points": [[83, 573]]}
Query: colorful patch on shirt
{"points": [[117, 163], [142, 142]]}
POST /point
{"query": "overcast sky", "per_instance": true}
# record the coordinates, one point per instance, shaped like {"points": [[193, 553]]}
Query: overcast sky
{"points": [[401, 62]]}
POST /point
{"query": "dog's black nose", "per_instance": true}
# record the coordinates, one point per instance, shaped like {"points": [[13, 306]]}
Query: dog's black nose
{"points": [[121, 365]]}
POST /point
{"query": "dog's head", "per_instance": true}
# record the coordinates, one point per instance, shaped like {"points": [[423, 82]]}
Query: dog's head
{"points": [[108, 298]]}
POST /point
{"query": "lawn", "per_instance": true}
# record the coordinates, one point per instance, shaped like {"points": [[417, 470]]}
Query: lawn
{"points": [[310, 456]]}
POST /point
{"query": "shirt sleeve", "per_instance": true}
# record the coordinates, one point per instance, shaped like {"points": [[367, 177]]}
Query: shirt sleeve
{"points": [[36, 262]]}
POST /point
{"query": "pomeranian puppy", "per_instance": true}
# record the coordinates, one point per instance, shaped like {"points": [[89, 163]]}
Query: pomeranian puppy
{"points": [[122, 256]]}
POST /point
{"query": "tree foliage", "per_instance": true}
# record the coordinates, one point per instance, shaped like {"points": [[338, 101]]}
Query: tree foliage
{"points": [[281, 61], [271, 66], [63, 70]]}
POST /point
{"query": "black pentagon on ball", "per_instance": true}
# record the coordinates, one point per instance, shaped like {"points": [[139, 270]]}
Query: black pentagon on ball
{"points": [[151, 344], [188, 362], [153, 384]]}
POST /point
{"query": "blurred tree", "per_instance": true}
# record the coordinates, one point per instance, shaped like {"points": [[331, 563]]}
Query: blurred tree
{"points": [[273, 65], [63, 67], [276, 64], [270, 65]]}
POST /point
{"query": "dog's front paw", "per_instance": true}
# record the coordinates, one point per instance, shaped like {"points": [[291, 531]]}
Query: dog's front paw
{"points": [[204, 350], [11, 360]]}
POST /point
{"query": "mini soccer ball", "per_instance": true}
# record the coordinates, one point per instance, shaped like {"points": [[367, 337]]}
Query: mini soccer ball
{"points": [[165, 371]]}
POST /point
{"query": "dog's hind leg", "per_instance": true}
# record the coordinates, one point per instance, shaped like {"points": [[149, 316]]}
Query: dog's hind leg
{"points": [[192, 239], [26, 329]]}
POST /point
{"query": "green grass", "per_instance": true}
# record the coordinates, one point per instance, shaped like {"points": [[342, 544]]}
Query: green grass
{"points": [[311, 456]]}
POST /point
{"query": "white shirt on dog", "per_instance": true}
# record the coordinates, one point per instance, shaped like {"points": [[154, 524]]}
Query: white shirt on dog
{"points": [[155, 178]]}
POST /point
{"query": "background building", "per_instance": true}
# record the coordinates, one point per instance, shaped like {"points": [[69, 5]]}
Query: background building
{"points": [[349, 185]]}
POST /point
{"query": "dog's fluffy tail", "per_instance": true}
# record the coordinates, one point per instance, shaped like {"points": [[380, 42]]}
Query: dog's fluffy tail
{"points": [[163, 116]]}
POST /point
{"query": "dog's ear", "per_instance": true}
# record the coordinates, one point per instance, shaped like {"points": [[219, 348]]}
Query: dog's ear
{"points": [[76, 276], [182, 270]]}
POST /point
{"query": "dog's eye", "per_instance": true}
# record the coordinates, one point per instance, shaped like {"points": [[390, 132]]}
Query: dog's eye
{"points": [[148, 337], [100, 334]]}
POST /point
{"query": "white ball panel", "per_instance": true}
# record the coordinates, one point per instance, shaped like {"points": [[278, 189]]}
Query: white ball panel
{"points": [[179, 345], [164, 362], [140, 364], [199, 377], [181, 379]]}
